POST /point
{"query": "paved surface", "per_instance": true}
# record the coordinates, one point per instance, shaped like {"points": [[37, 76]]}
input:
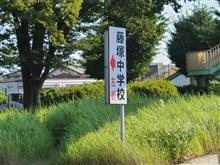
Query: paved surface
{"points": [[205, 160]]}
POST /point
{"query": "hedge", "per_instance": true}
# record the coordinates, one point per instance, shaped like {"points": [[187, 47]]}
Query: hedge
{"points": [[160, 88], [59, 95], [156, 88]]}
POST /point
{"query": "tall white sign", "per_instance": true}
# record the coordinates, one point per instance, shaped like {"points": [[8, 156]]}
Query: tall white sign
{"points": [[115, 66]]}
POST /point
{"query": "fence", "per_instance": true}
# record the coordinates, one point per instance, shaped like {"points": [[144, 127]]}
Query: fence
{"points": [[203, 59]]}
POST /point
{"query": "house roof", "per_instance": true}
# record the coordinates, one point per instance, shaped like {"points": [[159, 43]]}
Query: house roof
{"points": [[68, 72]]}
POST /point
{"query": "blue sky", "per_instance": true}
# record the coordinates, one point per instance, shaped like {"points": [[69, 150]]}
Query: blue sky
{"points": [[172, 17]]}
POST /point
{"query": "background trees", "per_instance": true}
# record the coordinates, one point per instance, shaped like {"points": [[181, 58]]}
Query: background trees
{"points": [[34, 36], [38, 35], [144, 24], [199, 31]]}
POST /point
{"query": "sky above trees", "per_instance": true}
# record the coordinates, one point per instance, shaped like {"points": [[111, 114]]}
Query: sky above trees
{"points": [[172, 17]]}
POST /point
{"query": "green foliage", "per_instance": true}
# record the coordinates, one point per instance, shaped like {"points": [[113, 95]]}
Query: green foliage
{"points": [[2, 98], [59, 95], [35, 38], [215, 89], [159, 88], [43, 12], [196, 32], [79, 118], [143, 22], [48, 23], [86, 132], [23, 140], [168, 133], [177, 139]]}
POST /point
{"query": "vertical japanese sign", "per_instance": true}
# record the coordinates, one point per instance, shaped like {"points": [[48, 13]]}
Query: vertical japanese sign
{"points": [[115, 66]]}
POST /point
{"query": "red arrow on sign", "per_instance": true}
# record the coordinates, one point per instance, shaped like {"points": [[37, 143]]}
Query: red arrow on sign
{"points": [[113, 62]]}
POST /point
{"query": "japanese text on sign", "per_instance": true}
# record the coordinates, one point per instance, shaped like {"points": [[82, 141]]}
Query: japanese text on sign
{"points": [[117, 66]]}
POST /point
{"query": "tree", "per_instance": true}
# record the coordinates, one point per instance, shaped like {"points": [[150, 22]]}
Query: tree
{"points": [[34, 36], [145, 26], [199, 31]]}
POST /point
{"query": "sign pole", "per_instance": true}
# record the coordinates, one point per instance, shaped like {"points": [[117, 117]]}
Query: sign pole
{"points": [[122, 128], [115, 71]]}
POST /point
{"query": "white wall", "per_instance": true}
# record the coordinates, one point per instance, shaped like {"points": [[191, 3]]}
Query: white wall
{"points": [[12, 87], [17, 86]]}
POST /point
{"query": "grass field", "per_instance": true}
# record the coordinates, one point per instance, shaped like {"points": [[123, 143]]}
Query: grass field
{"points": [[87, 132], [156, 133]]}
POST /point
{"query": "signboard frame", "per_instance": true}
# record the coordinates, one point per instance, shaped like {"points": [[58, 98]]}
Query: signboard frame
{"points": [[115, 66]]}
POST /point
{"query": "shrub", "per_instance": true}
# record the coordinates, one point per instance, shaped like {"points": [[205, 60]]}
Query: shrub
{"points": [[214, 89], [159, 88], [176, 139], [22, 138], [2, 98], [59, 95]]}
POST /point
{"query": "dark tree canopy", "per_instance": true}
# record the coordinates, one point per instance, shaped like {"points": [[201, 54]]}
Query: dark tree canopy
{"points": [[144, 24], [199, 31]]}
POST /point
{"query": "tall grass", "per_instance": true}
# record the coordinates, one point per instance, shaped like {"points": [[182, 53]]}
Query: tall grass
{"points": [[87, 132], [23, 140], [83, 116], [160, 134]]}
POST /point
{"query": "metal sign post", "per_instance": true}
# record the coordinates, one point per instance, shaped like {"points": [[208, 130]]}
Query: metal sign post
{"points": [[122, 127], [115, 71]]}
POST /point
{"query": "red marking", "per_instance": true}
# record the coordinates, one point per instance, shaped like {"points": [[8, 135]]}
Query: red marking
{"points": [[113, 95], [113, 82], [113, 62]]}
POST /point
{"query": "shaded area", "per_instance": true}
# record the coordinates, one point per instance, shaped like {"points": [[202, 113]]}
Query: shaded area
{"points": [[85, 116]]}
